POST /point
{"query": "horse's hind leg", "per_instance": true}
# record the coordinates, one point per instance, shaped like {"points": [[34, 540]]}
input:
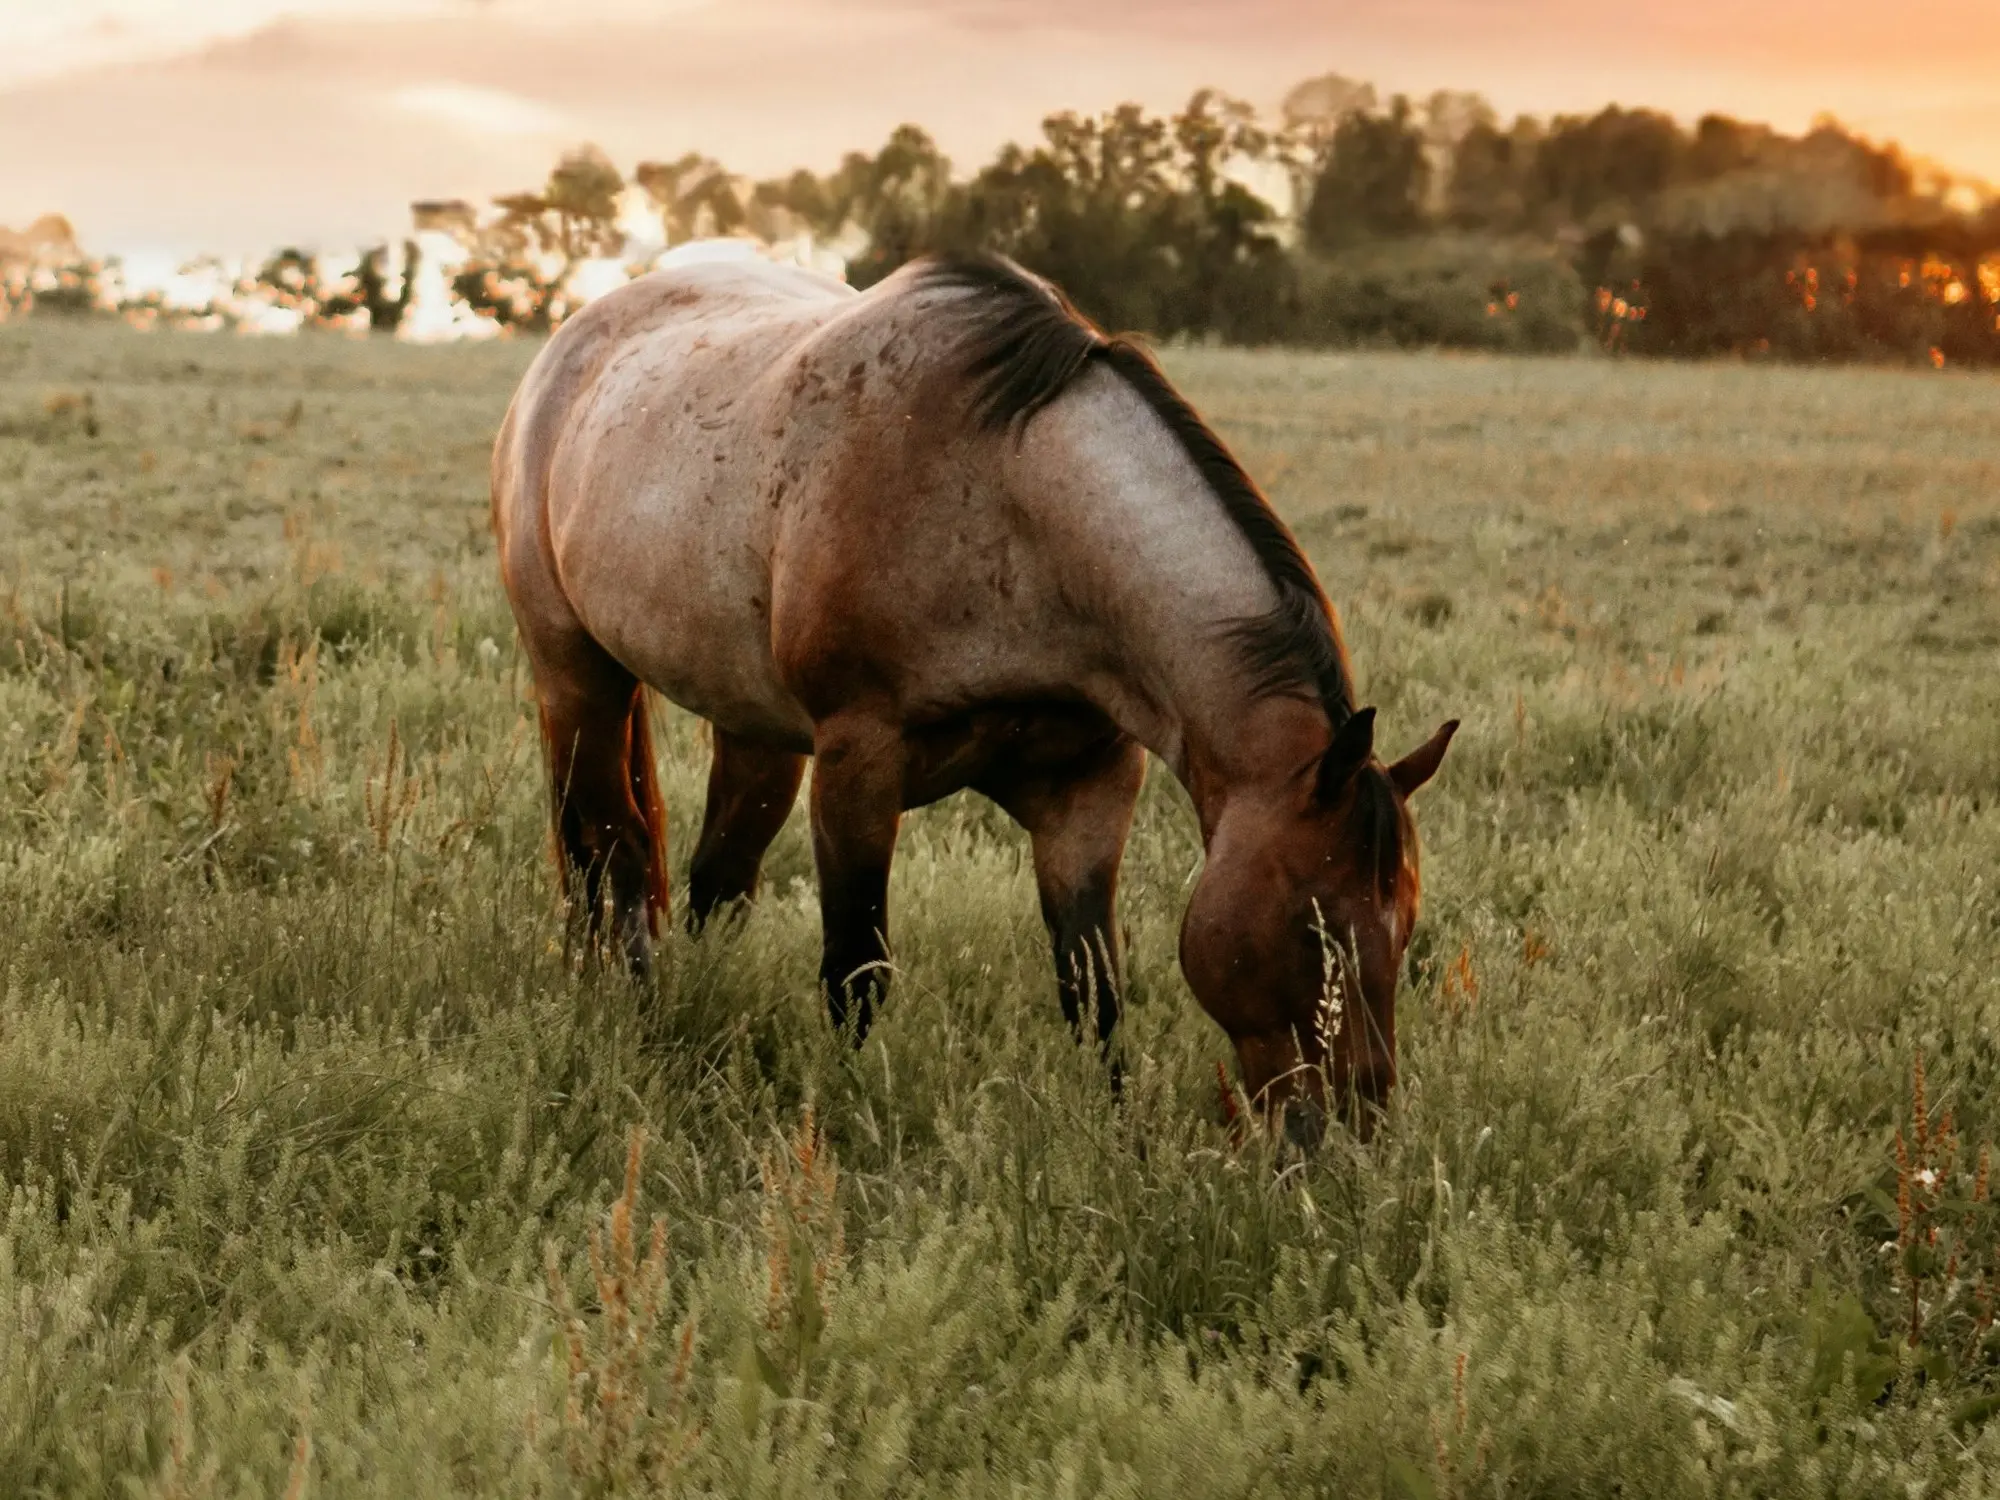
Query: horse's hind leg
{"points": [[857, 806], [1078, 817], [751, 789], [610, 823]]}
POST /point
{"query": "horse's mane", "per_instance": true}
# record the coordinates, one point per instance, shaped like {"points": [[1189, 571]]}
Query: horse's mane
{"points": [[1023, 345], [1378, 808]]}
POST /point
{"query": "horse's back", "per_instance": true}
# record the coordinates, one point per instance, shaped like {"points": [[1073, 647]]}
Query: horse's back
{"points": [[756, 490], [649, 327], [626, 496]]}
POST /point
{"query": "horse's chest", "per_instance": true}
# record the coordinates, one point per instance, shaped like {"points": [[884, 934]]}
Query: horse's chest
{"points": [[995, 745]]}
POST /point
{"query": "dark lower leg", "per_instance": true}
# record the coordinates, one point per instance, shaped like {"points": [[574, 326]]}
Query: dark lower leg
{"points": [[1082, 923], [604, 842], [751, 789], [1078, 818], [857, 806]]}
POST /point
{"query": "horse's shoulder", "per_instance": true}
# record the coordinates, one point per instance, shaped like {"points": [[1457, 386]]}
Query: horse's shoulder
{"points": [[892, 325]]}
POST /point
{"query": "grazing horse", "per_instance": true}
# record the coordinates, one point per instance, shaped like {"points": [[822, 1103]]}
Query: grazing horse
{"points": [[947, 534]]}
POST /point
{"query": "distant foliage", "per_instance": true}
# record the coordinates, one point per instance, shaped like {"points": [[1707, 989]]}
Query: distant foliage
{"points": [[1902, 292], [293, 279], [574, 214], [1372, 181], [1352, 220], [1349, 220]]}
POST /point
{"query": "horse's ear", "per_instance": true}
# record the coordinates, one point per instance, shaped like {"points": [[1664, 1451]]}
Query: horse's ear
{"points": [[1421, 764], [1352, 744]]}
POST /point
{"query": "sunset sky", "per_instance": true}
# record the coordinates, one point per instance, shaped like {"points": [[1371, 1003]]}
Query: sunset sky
{"points": [[231, 125]]}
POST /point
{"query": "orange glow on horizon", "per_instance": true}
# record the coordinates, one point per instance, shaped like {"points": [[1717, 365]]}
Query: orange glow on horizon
{"points": [[401, 99]]}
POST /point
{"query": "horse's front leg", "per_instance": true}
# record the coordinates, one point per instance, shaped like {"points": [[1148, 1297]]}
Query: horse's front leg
{"points": [[1078, 816], [751, 789], [857, 805]]}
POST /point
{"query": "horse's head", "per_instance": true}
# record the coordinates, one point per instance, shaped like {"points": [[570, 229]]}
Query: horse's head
{"points": [[1295, 935]]}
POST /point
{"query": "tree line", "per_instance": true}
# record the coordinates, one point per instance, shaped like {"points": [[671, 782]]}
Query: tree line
{"points": [[1349, 219]]}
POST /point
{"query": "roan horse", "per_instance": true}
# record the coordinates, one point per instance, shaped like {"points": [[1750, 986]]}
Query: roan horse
{"points": [[947, 534]]}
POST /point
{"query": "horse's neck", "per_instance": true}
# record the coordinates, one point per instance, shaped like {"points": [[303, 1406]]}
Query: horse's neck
{"points": [[1257, 761], [1183, 691], [1162, 570]]}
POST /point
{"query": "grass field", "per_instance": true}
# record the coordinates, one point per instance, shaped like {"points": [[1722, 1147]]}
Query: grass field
{"points": [[299, 1102]]}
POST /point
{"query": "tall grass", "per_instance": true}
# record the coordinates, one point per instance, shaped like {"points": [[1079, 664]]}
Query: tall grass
{"points": [[319, 1161]]}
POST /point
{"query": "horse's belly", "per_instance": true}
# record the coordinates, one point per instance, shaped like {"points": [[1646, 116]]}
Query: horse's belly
{"points": [[688, 615], [722, 672]]}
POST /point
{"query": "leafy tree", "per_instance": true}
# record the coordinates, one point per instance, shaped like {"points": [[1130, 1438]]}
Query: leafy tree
{"points": [[903, 198], [1882, 170], [1617, 160], [1485, 188], [1314, 109], [582, 194], [802, 197], [451, 216], [1091, 207], [1225, 235], [1449, 115], [575, 214], [522, 230], [1308, 118], [1722, 145], [293, 274], [385, 313], [1727, 237], [1372, 180], [1447, 118], [695, 197]]}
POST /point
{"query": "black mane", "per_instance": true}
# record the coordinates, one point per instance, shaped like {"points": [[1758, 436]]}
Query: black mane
{"points": [[1024, 345], [1378, 812]]}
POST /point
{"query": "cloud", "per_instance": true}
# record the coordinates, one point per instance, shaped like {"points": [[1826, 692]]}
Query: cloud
{"points": [[484, 111], [325, 127], [46, 40], [1860, 34]]}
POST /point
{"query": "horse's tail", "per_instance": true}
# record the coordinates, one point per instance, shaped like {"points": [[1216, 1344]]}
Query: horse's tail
{"points": [[645, 780]]}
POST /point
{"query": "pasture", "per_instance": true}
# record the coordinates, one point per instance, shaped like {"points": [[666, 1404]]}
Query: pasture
{"points": [[306, 1126]]}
